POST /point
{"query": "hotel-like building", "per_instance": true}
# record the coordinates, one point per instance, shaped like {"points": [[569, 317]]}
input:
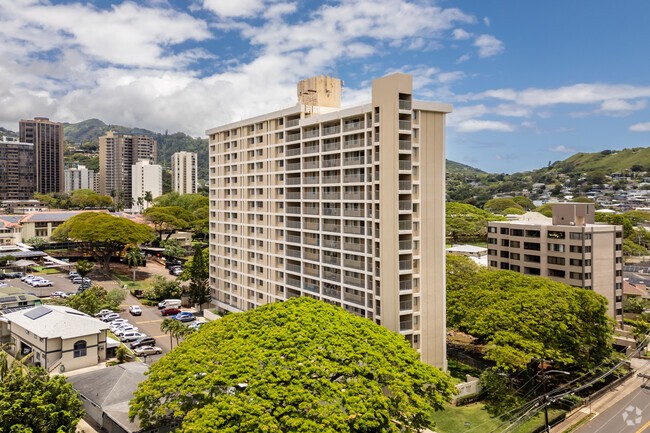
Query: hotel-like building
{"points": [[342, 205], [47, 138], [184, 172]]}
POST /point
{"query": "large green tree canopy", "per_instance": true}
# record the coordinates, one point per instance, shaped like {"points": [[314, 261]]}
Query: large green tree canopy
{"points": [[299, 366], [102, 235], [465, 222], [519, 318]]}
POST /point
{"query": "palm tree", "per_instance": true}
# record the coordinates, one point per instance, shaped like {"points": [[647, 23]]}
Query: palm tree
{"points": [[133, 258], [140, 202], [148, 197], [84, 267], [174, 328], [130, 202]]}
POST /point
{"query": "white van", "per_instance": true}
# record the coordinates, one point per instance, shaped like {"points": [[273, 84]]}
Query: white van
{"points": [[169, 303]]}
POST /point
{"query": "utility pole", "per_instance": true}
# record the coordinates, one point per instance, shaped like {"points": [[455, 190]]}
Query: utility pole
{"points": [[547, 428]]}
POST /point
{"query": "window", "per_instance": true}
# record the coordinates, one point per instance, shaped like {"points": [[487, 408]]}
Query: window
{"points": [[556, 260], [556, 247], [575, 248], [492, 229], [555, 234], [575, 236], [80, 348], [504, 231], [504, 242]]}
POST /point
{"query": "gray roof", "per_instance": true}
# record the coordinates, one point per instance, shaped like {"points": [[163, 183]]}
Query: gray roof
{"points": [[60, 322], [50, 216], [112, 389]]}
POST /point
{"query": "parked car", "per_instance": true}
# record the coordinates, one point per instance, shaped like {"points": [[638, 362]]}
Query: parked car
{"points": [[135, 310], [172, 262], [29, 278], [79, 280], [147, 350], [24, 277], [125, 330], [143, 341], [58, 295], [169, 303], [111, 317], [118, 323], [131, 336], [184, 317], [73, 274], [196, 325], [42, 283], [4, 285], [176, 271], [170, 311], [103, 313]]}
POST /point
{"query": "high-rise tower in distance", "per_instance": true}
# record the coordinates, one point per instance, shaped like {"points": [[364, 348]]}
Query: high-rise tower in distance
{"points": [[47, 138]]}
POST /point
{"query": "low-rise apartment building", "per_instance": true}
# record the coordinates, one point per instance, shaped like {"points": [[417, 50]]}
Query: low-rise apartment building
{"points": [[569, 248]]}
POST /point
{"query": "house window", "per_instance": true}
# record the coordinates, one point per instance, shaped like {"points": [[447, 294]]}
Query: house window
{"points": [[80, 349]]}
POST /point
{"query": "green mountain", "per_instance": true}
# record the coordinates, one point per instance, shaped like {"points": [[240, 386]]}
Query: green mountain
{"points": [[90, 130], [607, 161]]}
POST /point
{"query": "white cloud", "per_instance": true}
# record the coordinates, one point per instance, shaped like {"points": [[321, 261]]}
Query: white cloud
{"points": [[640, 127], [620, 106], [474, 125], [448, 77], [498, 157], [463, 58], [486, 21], [488, 46], [562, 149], [234, 8], [460, 34]]}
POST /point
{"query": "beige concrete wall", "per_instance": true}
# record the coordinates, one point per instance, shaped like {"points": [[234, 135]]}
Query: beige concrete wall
{"points": [[604, 268], [432, 261]]}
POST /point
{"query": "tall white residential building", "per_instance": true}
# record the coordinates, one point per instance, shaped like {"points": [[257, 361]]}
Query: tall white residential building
{"points": [[184, 172], [341, 205], [145, 177], [79, 178]]}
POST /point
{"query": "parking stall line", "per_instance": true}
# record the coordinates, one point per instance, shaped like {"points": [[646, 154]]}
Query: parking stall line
{"points": [[149, 321]]}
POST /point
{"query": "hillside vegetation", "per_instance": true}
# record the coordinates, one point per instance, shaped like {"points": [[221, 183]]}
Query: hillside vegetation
{"points": [[607, 161]]}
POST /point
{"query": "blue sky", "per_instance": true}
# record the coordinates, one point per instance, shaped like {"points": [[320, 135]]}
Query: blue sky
{"points": [[531, 82]]}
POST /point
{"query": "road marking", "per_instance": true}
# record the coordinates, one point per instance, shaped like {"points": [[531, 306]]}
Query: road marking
{"points": [[160, 336], [643, 428], [149, 321]]}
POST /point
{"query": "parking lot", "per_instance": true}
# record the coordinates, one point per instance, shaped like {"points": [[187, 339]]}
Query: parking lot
{"points": [[61, 284]]}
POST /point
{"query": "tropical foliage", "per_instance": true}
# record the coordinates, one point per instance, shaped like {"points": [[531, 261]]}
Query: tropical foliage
{"points": [[196, 271], [300, 366], [465, 222]]}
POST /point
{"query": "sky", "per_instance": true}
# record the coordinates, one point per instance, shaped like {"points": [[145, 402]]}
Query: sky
{"points": [[530, 82]]}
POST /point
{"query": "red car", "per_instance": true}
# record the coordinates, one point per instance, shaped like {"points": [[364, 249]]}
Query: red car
{"points": [[170, 311]]}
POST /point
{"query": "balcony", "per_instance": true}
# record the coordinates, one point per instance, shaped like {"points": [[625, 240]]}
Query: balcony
{"points": [[406, 205], [293, 268], [405, 125], [405, 245], [293, 137], [405, 325], [332, 276], [354, 281], [331, 260], [405, 286], [293, 181], [311, 210], [332, 130], [353, 161], [293, 282], [350, 178], [310, 149], [353, 212], [331, 163], [405, 145], [293, 210], [355, 299], [330, 146], [292, 239], [310, 180], [406, 305], [310, 195], [314, 257], [293, 195], [352, 126], [310, 240], [311, 165], [331, 179], [331, 196], [353, 247], [353, 195], [405, 265], [293, 152], [355, 264], [406, 225], [405, 185], [334, 228], [311, 226], [405, 165], [331, 244], [351, 144], [404, 105], [293, 122], [331, 211], [309, 270], [293, 224], [293, 253], [293, 166], [310, 134], [353, 230]]}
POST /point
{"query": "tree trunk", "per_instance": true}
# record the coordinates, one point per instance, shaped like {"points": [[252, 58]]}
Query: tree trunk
{"points": [[134, 275]]}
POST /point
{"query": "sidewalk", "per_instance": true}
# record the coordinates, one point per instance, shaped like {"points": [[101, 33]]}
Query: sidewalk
{"points": [[607, 399]]}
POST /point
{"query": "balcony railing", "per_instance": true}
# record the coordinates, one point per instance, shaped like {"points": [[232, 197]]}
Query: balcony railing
{"points": [[331, 260], [405, 305], [404, 145], [405, 265], [405, 205], [331, 211], [406, 325], [357, 299], [293, 195], [353, 195], [354, 230], [352, 126], [406, 285], [405, 125], [293, 239], [405, 245], [310, 180], [335, 228], [313, 164], [310, 149], [293, 122], [293, 209], [311, 210], [356, 264], [293, 181], [353, 247], [348, 178], [405, 165], [331, 163], [353, 161], [327, 147], [331, 179], [311, 226], [310, 134], [331, 196], [332, 130], [310, 195], [293, 253], [311, 271], [293, 137], [293, 224], [404, 105], [311, 240], [351, 144], [353, 212], [293, 282], [293, 166], [405, 185], [332, 276], [406, 225], [293, 268], [331, 244], [354, 281], [312, 256], [293, 152]]}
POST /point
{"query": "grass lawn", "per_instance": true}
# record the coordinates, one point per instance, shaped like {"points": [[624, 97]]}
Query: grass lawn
{"points": [[42, 270], [127, 278], [453, 419]]}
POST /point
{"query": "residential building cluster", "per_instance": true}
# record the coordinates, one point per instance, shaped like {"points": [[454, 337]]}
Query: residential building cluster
{"points": [[335, 204]]}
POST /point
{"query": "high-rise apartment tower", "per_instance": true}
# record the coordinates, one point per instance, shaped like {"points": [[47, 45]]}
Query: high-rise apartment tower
{"points": [[17, 170], [146, 178], [184, 172], [341, 205], [47, 138], [118, 153]]}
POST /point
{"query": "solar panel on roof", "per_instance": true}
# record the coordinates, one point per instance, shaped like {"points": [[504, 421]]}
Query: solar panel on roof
{"points": [[37, 312], [8, 299], [22, 298]]}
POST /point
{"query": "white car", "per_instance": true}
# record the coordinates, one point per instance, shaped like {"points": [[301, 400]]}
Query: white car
{"points": [[103, 313], [120, 326], [125, 330], [135, 310], [42, 283], [115, 323], [118, 323], [3, 284], [131, 336], [58, 295], [111, 317]]}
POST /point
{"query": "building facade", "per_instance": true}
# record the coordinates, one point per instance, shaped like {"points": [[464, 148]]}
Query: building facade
{"points": [[79, 178], [17, 170], [146, 178], [334, 204], [184, 172], [47, 138], [569, 248], [118, 153]]}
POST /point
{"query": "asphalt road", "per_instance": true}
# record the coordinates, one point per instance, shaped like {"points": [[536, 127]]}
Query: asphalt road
{"points": [[630, 415], [61, 284]]}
